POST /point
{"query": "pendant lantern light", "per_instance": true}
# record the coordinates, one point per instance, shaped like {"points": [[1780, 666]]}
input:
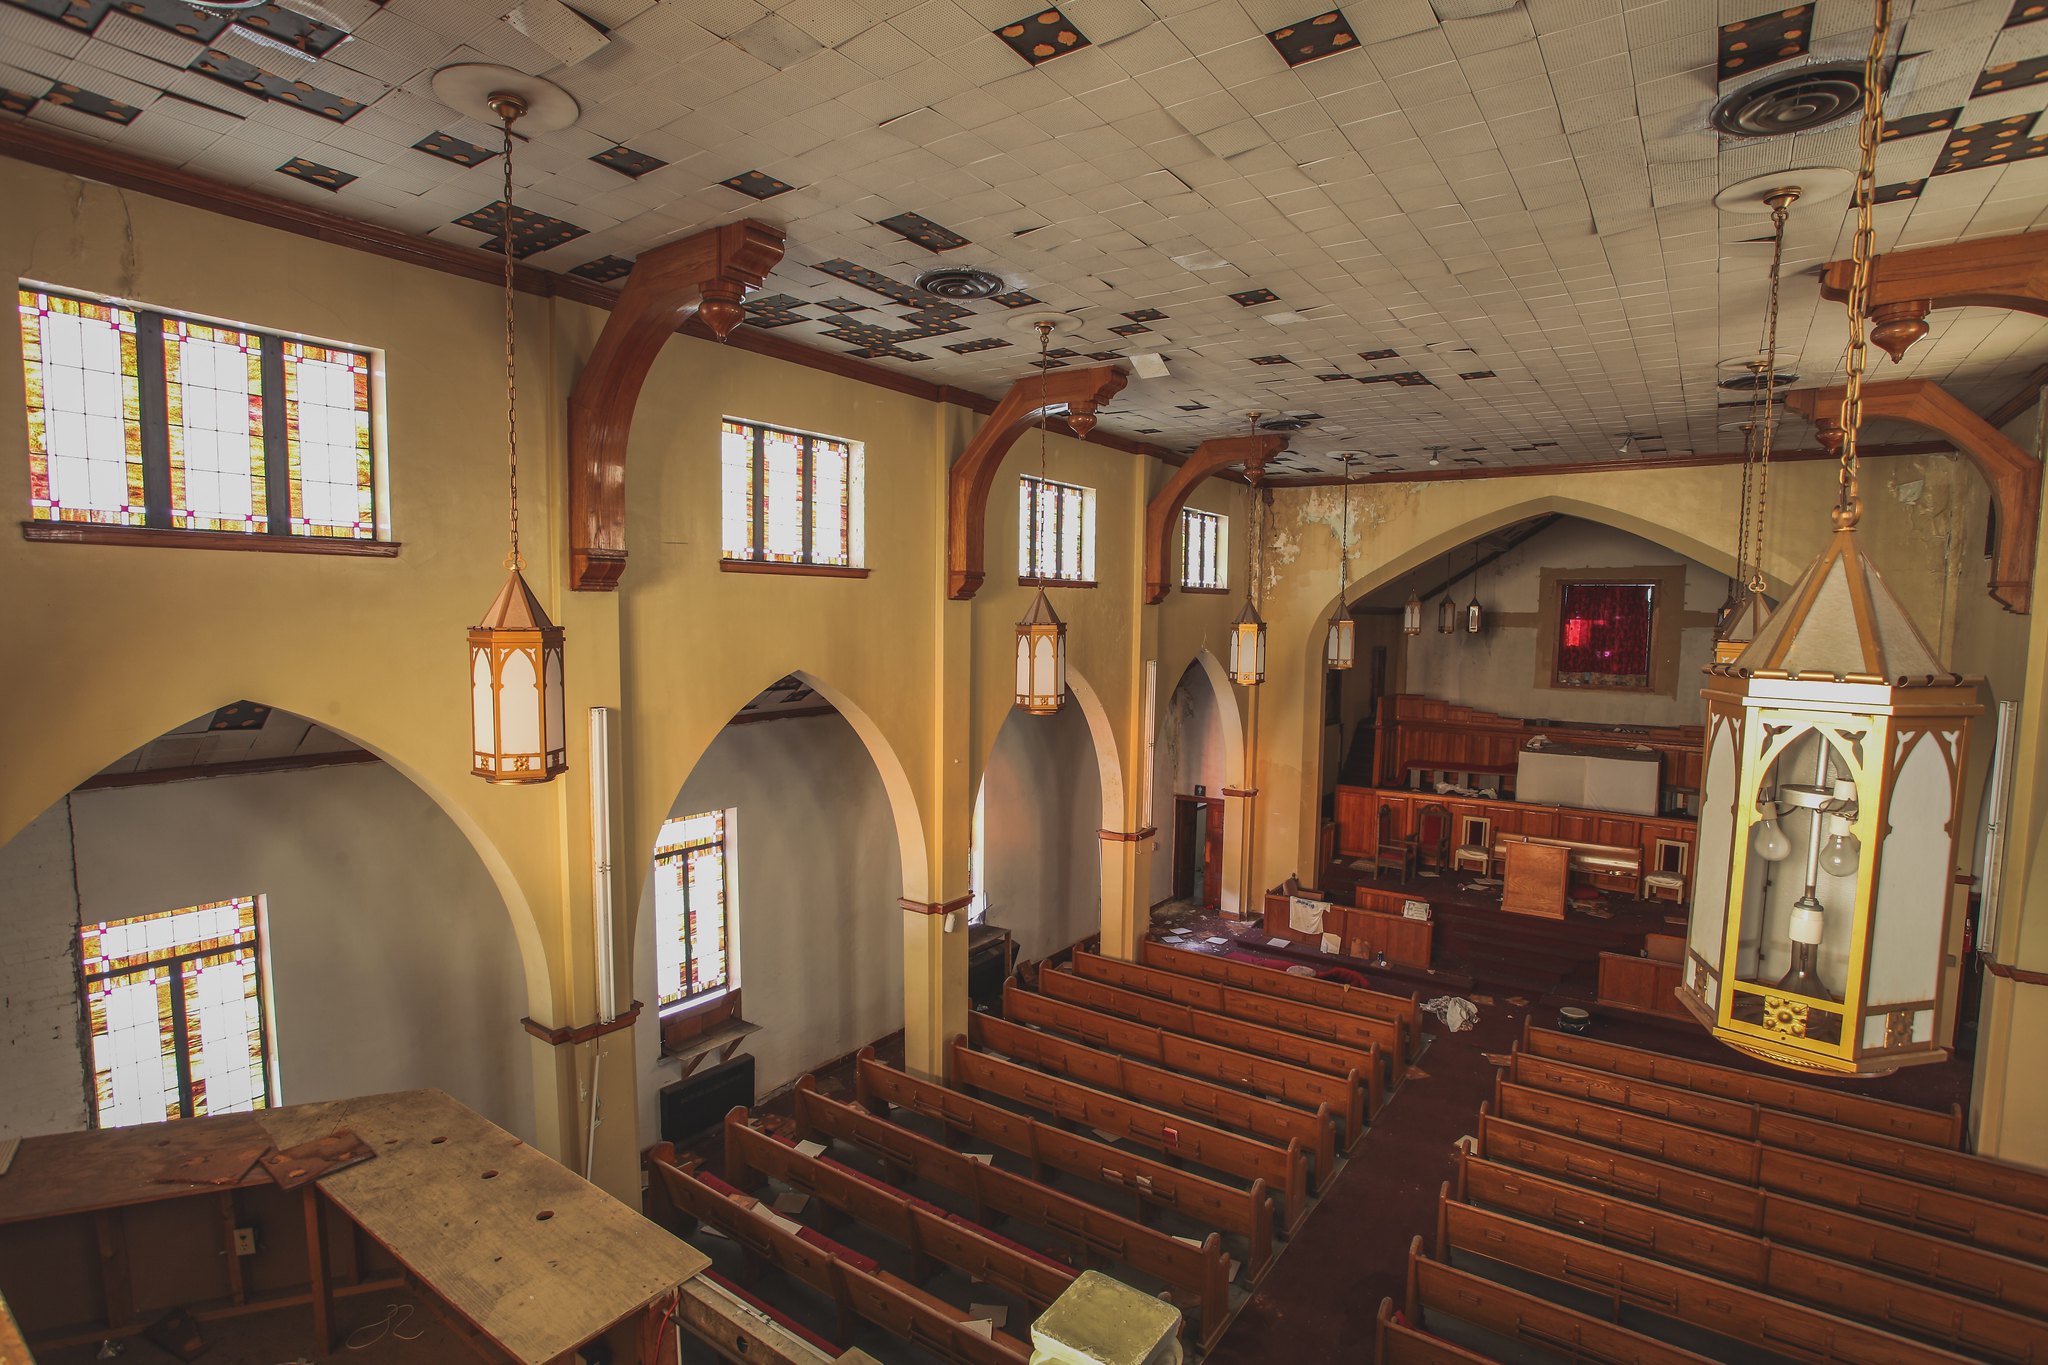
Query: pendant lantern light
{"points": [[1411, 614], [1248, 631], [1825, 896], [1341, 649], [1447, 614], [517, 724], [1041, 635], [1474, 616]]}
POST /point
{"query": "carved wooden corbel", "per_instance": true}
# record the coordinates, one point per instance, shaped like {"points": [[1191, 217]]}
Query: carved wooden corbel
{"points": [[1163, 512], [2014, 476], [1079, 391], [1996, 272], [703, 276]]}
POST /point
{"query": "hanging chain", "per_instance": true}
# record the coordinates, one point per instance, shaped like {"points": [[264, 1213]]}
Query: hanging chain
{"points": [[1253, 541], [1344, 538], [1044, 396], [1781, 210], [1742, 524], [1868, 136], [509, 108]]}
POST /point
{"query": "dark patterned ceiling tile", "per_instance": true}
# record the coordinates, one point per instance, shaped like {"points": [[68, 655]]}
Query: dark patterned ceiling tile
{"points": [[1332, 378], [1250, 297], [765, 315], [875, 281], [781, 303], [1904, 189], [1042, 36], [1063, 353], [1321, 36], [2026, 12], [603, 270], [1105, 355], [313, 173], [185, 20], [531, 231], [449, 147], [83, 15], [1146, 315], [291, 28], [1192, 407], [935, 310], [239, 715], [983, 344], [2011, 76], [87, 102], [1378, 355], [757, 184], [1477, 374], [1977, 145], [1271, 360], [628, 162], [842, 306], [888, 353], [1129, 329], [247, 76], [1049, 364], [1407, 379], [1751, 44], [1016, 298], [1913, 125], [16, 102], [915, 227]]}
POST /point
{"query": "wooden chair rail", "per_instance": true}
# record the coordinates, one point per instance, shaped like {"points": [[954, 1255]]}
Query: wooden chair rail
{"points": [[1731, 1311], [1348, 1097], [1852, 1111], [1282, 1168], [1315, 1130], [1235, 1002], [1210, 1203], [1307, 989], [1200, 1273]]}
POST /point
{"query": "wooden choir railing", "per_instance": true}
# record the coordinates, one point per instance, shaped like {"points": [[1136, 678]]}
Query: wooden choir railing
{"points": [[1315, 1130], [1284, 1169], [845, 1277], [1198, 1273], [1358, 826], [1425, 733], [1246, 1213], [1352, 1097], [1309, 990]]}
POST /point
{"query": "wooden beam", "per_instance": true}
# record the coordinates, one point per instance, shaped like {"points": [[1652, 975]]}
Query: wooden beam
{"points": [[1079, 391], [2022, 399], [1161, 514], [1994, 272], [704, 276], [2013, 475], [192, 772]]}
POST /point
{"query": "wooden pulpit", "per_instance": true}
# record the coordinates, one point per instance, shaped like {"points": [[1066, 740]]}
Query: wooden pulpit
{"points": [[1535, 878]]}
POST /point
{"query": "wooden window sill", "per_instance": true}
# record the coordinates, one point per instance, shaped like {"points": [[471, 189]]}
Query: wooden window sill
{"points": [[1032, 581], [1205, 592], [161, 538], [799, 570]]}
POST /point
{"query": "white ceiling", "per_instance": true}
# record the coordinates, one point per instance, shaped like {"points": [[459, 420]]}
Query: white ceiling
{"points": [[1527, 192], [242, 732]]}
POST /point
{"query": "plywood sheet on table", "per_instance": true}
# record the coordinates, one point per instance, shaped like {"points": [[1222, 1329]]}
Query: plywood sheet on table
{"points": [[105, 1168]]}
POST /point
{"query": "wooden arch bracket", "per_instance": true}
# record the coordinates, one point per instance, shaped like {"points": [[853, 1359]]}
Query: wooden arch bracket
{"points": [[704, 276], [2014, 476], [1079, 391], [1995, 272], [1163, 512]]}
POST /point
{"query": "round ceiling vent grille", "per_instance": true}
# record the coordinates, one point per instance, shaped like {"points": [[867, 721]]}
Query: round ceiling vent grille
{"points": [[1792, 101], [1751, 382], [1284, 424], [960, 282]]}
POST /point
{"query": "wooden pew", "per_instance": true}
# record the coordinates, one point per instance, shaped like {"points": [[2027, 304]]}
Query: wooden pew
{"points": [[1210, 1203], [894, 1305], [1895, 1304], [1729, 1310], [1314, 1130], [1236, 1002], [1201, 1273], [1710, 1113], [1958, 1267], [927, 1232], [1436, 1289], [1307, 989], [1353, 1096], [1772, 1092], [1731, 1158], [1281, 1168], [1397, 1343]]}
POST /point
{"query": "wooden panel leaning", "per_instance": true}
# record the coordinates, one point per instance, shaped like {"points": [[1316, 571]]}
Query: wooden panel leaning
{"points": [[1336, 1059], [1281, 1168], [1314, 1129], [1307, 989], [1728, 1310], [1397, 1343], [1236, 1002], [894, 1305], [929, 1236], [1352, 1096], [1772, 1092], [1199, 1273], [1210, 1203], [1896, 1304], [1439, 1290]]}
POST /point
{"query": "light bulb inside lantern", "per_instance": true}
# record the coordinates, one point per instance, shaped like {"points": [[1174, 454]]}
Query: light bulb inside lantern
{"points": [[1841, 855], [1771, 844]]}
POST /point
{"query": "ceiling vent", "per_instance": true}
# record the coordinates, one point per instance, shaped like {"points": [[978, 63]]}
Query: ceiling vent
{"points": [[1754, 380], [960, 282], [1284, 424], [1791, 101]]}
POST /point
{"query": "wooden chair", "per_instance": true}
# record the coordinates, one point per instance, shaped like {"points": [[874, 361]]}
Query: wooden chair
{"points": [[1433, 836], [1391, 848], [1475, 845], [1668, 876]]}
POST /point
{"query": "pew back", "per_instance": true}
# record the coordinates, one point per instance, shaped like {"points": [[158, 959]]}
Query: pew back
{"points": [[1274, 981]]}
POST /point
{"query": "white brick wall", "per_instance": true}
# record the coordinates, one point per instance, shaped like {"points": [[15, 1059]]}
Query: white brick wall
{"points": [[42, 1072]]}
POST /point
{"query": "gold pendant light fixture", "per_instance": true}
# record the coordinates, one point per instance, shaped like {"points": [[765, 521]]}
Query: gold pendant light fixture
{"points": [[1041, 635], [1411, 613], [1474, 614], [1340, 650], [1248, 631]]}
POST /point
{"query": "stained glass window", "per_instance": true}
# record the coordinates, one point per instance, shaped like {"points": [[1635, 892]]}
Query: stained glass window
{"points": [[1202, 542], [1604, 632], [145, 418], [692, 913], [175, 1003], [791, 498], [1055, 531]]}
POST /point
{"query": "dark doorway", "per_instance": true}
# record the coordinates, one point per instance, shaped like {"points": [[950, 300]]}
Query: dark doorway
{"points": [[1198, 849]]}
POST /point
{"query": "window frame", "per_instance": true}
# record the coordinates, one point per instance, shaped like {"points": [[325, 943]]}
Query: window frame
{"points": [[1029, 571], [274, 532], [856, 512], [1653, 592], [692, 1016], [1189, 517]]}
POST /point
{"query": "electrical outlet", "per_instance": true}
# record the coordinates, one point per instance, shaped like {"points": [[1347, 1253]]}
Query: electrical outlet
{"points": [[245, 1241]]}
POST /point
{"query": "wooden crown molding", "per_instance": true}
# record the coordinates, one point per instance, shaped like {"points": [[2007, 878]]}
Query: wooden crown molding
{"points": [[2013, 475], [1118, 836], [1163, 512], [968, 482], [1992, 272], [935, 907]]}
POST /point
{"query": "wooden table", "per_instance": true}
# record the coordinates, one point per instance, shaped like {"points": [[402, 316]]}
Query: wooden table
{"points": [[1535, 879]]}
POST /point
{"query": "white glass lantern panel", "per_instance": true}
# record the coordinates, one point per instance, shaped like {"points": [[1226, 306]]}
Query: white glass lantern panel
{"points": [[1771, 888], [557, 726], [483, 709], [1909, 918], [519, 705], [1059, 671], [1717, 835], [1259, 650], [1024, 647]]}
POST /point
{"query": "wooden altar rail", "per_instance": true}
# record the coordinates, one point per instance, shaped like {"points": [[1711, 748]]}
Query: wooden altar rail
{"points": [[1894, 1304], [1335, 995], [1352, 1097], [1358, 815], [1197, 1274], [1425, 733], [1928, 1126], [2008, 1281], [1209, 1203], [1281, 1168], [1390, 1036]]}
